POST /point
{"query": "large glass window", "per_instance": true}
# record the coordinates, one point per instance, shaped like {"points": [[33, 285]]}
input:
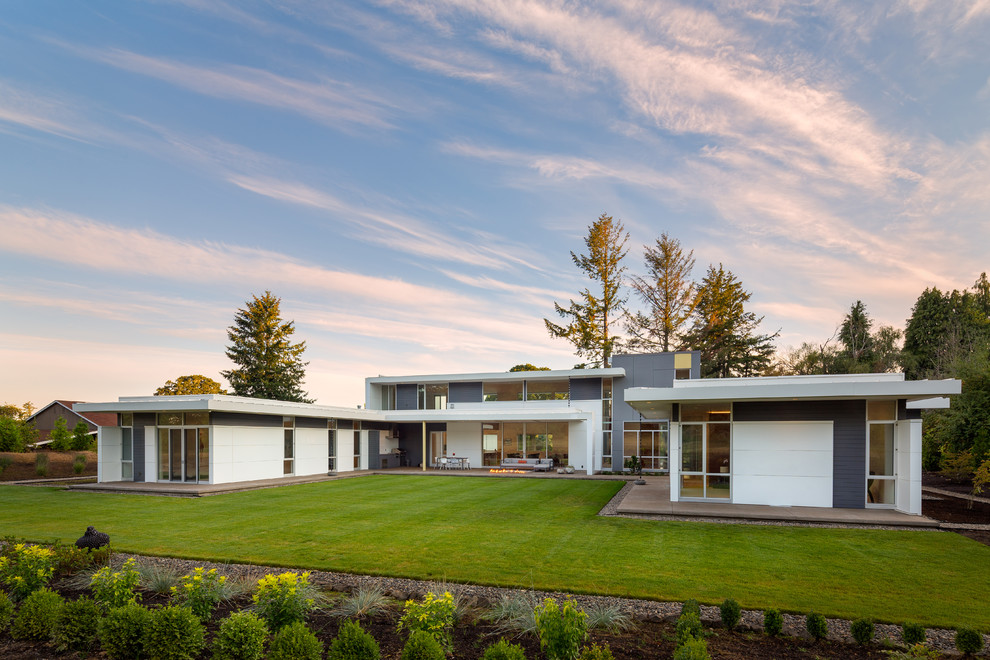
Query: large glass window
{"points": [[648, 440], [500, 390], [706, 451], [526, 440], [127, 448], [606, 423], [880, 471], [357, 449], [388, 397], [183, 453], [436, 396], [513, 439], [332, 445], [548, 390], [491, 444], [289, 444]]}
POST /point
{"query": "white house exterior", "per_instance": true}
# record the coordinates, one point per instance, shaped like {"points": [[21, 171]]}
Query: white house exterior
{"points": [[825, 441]]}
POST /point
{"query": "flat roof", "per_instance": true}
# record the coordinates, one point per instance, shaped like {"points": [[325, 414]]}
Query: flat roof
{"points": [[225, 403], [611, 372]]}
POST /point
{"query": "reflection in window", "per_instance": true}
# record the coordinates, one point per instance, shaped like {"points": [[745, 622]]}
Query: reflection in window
{"points": [[511, 390], [436, 396], [547, 390]]}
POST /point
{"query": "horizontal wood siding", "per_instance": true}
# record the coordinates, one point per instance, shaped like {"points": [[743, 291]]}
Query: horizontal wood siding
{"points": [[586, 389], [465, 393], [405, 397]]}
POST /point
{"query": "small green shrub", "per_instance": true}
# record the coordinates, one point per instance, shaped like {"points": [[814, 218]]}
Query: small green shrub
{"points": [[76, 625], [730, 613], [503, 650], [241, 636], [913, 633], [691, 605], [693, 649], [69, 559], [816, 625], [862, 631], [688, 627], [294, 641], [595, 652], [421, 645], [121, 632], [201, 591], [561, 629], [174, 633], [353, 643], [283, 599], [968, 641], [79, 463], [26, 568], [35, 619], [6, 610], [773, 622], [434, 616], [116, 588]]}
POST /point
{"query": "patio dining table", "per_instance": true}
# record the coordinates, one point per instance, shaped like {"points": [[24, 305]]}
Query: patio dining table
{"points": [[457, 462]]}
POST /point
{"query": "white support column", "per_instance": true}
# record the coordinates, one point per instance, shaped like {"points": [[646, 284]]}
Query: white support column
{"points": [[674, 460], [907, 454]]}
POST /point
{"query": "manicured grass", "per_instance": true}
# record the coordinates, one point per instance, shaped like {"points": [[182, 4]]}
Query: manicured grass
{"points": [[540, 533]]}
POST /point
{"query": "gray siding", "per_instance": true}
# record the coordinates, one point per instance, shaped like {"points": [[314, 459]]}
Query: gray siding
{"points": [[374, 459], [586, 389], [311, 422], [848, 439], [465, 393], [405, 397], [138, 454], [245, 419]]}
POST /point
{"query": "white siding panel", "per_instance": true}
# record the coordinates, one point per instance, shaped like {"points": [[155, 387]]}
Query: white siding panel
{"points": [[311, 451], [464, 439], [782, 463], [255, 453], [108, 457]]}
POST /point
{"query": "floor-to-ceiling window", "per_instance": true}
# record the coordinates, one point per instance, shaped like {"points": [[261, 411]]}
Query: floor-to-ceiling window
{"points": [[648, 440], [332, 445], [288, 444], [127, 447], [491, 443], [184, 446], [881, 416], [706, 444], [606, 423], [528, 440]]}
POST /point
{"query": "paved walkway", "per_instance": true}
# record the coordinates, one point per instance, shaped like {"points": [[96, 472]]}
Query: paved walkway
{"points": [[653, 499], [952, 493]]}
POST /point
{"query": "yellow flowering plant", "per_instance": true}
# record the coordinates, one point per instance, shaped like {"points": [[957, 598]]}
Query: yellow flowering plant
{"points": [[434, 616], [116, 588], [283, 599], [202, 590], [26, 568]]}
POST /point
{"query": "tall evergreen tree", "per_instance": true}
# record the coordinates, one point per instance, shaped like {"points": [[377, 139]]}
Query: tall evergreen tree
{"points": [[269, 365], [668, 293], [590, 320], [724, 332], [854, 333]]}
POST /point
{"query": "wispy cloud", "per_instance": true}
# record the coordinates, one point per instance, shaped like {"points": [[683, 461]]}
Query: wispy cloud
{"points": [[331, 102], [43, 113]]}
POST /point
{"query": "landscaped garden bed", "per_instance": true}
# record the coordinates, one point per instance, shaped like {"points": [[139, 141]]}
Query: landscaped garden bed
{"points": [[27, 466], [640, 629]]}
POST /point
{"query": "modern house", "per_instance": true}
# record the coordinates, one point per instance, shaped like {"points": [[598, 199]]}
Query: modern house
{"points": [[826, 441]]}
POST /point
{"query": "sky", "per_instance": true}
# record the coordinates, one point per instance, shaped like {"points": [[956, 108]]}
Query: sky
{"points": [[410, 177]]}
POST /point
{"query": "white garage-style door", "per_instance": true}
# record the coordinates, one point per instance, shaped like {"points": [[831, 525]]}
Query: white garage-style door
{"points": [[782, 463]]}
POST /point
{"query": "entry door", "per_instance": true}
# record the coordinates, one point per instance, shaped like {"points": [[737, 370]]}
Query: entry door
{"points": [[705, 453], [438, 445]]}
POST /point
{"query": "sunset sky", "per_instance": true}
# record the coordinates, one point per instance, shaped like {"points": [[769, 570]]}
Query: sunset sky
{"points": [[410, 177]]}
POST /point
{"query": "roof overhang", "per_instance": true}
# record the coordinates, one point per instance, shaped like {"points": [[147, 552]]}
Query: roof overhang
{"points": [[647, 400], [611, 372], [479, 415], [224, 403]]}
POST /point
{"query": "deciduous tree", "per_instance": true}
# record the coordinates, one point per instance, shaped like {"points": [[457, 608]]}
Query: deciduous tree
{"points": [[528, 367], [590, 321], [724, 332], [195, 384], [269, 365], [668, 293]]}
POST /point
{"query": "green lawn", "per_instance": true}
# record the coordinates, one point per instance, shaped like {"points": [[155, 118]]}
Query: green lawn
{"points": [[540, 533]]}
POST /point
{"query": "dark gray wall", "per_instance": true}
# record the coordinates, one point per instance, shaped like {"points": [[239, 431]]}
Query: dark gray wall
{"points": [[848, 439], [405, 397], [647, 370], [138, 453], [465, 393], [311, 422], [411, 440], [586, 389], [245, 419], [374, 460]]}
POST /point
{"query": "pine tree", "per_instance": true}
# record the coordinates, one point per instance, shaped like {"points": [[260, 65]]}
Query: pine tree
{"points": [[591, 320], [855, 335], [269, 366], [724, 332], [668, 293]]}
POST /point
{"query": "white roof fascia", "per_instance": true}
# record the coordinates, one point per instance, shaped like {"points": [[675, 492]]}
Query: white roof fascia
{"points": [[611, 372], [788, 388], [226, 403], [479, 415], [938, 402]]}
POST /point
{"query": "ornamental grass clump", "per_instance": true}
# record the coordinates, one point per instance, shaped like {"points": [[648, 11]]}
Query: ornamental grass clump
{"points": [[36, 617], [241, 636], [201, 591], [609, 617], [353, 643], [295, 642], [283, 599], [562, 630], [116, 588], [366, 601], [174, 633], [817, 626], [26, 568], [122, 631], [76, 625], [434, 616]]}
